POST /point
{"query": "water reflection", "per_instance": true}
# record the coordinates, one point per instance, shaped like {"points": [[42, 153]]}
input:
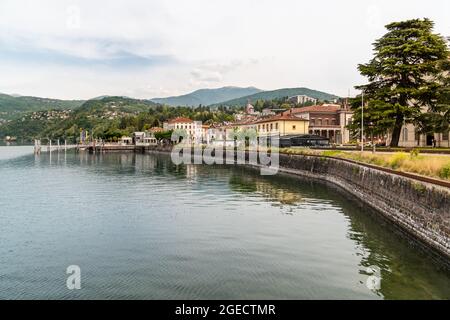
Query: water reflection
{"points": [[258, 236]]}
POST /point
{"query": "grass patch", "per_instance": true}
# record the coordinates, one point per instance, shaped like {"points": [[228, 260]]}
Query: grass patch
{"points": [[436, 166], [331, 153]]}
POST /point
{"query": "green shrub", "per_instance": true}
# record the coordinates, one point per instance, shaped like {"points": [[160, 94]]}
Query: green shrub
{"points": [[414, 153], [444, 173], [419, 187]]}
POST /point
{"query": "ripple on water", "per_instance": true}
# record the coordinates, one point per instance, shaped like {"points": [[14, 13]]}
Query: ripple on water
{"points": [[141, 228]]}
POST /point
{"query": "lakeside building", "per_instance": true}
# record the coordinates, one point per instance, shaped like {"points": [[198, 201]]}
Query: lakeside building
{"points": [[410, 137], [193, 128], [144, 139], [282, 124], [327, 120], [224, 134], [126, 141], [301, 99], [207, 133]]}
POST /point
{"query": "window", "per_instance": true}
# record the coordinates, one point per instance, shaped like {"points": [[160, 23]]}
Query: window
{"points": [[326, 122], [311, 122], [405, 134], [445, 136], [319, 122], [276, 126], [293, 127], [271, 126]]}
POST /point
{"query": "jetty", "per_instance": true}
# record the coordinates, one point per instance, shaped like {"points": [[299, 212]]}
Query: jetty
{"points": [[91, 147]]}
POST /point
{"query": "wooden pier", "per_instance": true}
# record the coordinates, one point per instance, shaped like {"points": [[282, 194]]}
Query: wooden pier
{"points": [[90, 147], [50, 147]]}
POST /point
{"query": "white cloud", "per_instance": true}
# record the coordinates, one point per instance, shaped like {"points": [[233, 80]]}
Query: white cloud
{"points": [[81, 48]]}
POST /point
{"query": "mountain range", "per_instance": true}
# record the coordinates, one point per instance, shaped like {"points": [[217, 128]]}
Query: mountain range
{"points": [[278, 94], [235, 96], [207, 96]]}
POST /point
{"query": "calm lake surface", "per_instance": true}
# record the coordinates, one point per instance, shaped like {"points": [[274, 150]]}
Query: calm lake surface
{"points": [[140, 227]]}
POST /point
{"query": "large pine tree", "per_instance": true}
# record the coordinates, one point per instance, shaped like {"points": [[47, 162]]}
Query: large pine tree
{"points": [[405, 75]]}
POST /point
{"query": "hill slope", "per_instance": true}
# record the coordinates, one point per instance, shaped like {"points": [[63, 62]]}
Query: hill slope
{"points": [[118, 104], [25, 104], [280, 93], [97, 113], [207, 96]]}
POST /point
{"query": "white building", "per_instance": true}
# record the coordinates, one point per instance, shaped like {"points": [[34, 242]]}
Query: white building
{"points": [[193, 128], [126, 141], [301, 99], [144, 139], [409, 137]]}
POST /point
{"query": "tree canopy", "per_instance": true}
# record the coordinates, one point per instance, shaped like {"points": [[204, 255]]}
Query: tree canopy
{"points": [[407, 77]]}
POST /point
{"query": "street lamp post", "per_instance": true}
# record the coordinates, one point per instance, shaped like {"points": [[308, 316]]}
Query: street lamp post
{"points": [[362, 121]]}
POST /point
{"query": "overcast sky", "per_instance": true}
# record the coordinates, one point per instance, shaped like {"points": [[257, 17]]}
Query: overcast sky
{"points": [[155, 48]]}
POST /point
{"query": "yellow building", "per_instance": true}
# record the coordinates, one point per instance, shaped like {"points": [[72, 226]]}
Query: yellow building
{"points": [[283, 125]]}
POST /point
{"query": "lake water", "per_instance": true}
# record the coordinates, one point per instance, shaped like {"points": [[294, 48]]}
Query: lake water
{"points": [[140, 227]]}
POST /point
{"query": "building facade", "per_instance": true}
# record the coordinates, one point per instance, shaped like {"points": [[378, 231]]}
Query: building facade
{"points": [[301, 99], [193, 128], [327, 120], [282, 124], [409, 137]]}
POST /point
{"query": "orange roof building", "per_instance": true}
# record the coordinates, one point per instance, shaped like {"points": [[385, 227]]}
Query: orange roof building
{"points": [[282, 124], [327, 120]]}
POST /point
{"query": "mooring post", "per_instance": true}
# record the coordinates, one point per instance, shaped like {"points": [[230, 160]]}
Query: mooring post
{"points": [[36, 147]]}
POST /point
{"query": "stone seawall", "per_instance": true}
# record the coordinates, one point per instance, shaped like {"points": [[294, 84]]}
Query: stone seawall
{"points": [[419, 208]]}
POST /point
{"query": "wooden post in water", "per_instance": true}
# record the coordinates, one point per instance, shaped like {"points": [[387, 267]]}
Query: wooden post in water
{"points": [[37, 146]]}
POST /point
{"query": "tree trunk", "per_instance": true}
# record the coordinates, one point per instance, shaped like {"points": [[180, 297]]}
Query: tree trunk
{"points": [[396, 131]]}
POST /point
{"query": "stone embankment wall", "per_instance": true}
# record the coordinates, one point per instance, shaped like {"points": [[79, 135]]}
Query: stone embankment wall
{"points": [[420, 208]]}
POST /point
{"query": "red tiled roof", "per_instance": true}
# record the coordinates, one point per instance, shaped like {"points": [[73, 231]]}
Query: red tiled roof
{"points": [[318, 108], [278, 117], [181, 120], [156, 129], [282, 117]]}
